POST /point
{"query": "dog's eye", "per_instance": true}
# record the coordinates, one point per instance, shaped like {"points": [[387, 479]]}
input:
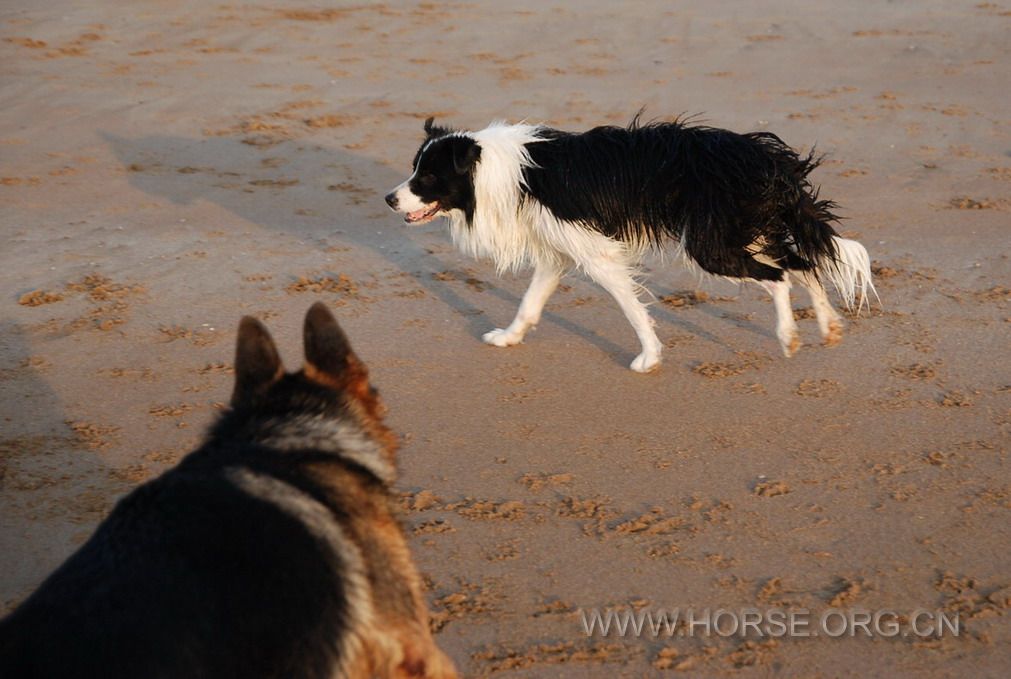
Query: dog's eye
{"points": [[427, 179]]}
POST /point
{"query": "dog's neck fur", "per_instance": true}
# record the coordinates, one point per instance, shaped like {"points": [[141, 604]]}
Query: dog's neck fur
{"points": [[498, 230], [340, 435]]}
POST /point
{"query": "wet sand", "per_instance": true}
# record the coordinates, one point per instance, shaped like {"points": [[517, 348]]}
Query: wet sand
{"points": [[168, 167]]}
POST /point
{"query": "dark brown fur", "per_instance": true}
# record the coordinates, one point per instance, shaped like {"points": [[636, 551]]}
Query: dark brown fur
{"points": [[275, 550]]}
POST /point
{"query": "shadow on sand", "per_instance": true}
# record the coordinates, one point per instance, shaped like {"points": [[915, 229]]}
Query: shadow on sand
{"points": [[53, 484], [227, 172]]}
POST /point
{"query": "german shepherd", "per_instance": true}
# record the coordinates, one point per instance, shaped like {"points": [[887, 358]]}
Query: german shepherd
{"points": [[274, 550]]}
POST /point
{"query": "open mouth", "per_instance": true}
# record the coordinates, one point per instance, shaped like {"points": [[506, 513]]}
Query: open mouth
{"points": [[422, 216]]}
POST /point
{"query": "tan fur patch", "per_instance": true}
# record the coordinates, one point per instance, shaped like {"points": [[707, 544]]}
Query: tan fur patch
{"points": [[370, 408], [834, 334]]}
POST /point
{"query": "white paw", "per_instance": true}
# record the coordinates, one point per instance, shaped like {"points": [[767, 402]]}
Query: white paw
{"points": [[646, 362], [501, 338], [789, 340]]}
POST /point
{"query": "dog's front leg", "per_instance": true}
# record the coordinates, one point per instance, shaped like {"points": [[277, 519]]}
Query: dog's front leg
{"points": [[545, 280], [615, 277]]}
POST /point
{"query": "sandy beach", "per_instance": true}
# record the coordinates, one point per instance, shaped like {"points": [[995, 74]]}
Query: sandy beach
{"points": [[166, 168]]}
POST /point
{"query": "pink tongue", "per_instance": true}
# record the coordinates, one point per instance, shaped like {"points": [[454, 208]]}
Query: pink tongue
{"points": [[417, 214]]}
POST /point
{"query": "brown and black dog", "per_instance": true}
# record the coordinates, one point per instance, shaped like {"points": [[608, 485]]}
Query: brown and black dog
{"points": [[274, 550]]}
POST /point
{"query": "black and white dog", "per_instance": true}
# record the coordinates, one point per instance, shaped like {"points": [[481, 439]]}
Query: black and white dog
{"points": [[739, 205]]}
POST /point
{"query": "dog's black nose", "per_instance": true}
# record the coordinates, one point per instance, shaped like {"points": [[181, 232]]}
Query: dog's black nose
{"points": [[391, 200]]}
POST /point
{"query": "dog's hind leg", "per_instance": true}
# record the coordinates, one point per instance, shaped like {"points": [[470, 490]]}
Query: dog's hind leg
{"points": [[752, 265], [544, 282], [786, 327], [829, 321], [616, 278]]}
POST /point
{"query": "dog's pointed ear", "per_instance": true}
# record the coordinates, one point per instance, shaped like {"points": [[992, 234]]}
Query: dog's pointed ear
{"points": [[433, 130], [328, 353], [257, 363], [466, 153], [330, 361]]}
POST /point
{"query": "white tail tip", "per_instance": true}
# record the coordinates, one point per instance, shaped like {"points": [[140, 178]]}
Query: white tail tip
{"points": [[850, 273]]}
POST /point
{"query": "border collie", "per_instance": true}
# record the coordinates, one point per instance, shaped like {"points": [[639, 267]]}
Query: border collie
{"points": [[275, 550], [739, 206]]}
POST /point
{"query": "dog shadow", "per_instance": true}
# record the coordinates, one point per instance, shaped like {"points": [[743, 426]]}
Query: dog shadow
{"points": [[712, 310], [330, 182], [49, 475]]}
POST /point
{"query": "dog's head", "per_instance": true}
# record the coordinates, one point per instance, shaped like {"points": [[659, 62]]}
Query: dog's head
{"points": [[333, 385], [443, 177]]}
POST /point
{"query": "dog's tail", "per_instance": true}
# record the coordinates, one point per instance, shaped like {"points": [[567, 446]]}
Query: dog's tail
{"points": [[849, 270], [842, 261]]}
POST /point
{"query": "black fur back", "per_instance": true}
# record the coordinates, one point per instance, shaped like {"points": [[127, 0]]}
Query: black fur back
{"points": [[715, 190], [191, 577], [273, 551], [188, 577]]}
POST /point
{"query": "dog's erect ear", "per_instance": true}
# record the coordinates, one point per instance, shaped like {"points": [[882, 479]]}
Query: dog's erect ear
{"points": [[433, 130], [257, 363], [466, 153], [330, 362], [327, 349]]}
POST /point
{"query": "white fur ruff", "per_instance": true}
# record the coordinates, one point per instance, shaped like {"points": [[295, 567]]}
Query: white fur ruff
{"points": [[495, 232], [516, 233]]}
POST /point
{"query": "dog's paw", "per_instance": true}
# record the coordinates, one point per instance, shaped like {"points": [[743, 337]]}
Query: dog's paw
{"points": [[645, 363], [834, 334], [790, 341], [501, 338]]}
